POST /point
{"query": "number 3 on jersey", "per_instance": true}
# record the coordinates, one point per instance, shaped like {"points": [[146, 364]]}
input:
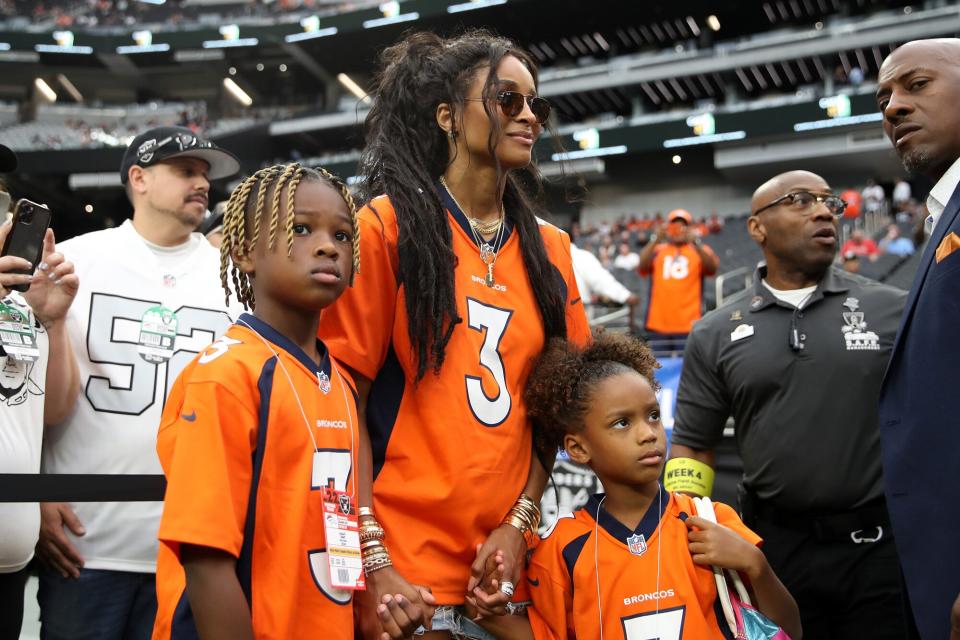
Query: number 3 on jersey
{"points": [[490, 411]]}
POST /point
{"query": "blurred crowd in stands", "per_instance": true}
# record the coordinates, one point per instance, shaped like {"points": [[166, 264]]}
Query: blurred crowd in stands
{"points": [[616, 244], [895, 232], [106, 13]]}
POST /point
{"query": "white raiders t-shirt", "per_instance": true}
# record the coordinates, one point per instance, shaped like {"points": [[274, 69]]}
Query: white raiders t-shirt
{"points": [[21, 434], [113, 427]]}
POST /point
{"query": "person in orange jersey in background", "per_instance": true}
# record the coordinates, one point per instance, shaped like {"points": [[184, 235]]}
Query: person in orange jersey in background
{"points": [[676, 261]]}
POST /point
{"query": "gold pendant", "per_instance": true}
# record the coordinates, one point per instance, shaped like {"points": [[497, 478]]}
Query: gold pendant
{"points": [[489, 279]]}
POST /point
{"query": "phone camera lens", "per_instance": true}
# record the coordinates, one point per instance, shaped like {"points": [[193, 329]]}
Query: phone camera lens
{"points": [[26, 213]]}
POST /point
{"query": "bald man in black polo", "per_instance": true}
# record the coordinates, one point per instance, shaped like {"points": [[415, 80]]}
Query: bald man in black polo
{"points": [[797, 361]]}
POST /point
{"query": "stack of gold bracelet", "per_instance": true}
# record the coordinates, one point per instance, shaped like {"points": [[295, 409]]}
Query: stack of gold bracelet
{"points": [[373, 551], [524, 515]]}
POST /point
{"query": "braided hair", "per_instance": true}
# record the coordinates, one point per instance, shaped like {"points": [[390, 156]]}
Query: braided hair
{"points": [[406, 152], [561, 384], [261, 193]]}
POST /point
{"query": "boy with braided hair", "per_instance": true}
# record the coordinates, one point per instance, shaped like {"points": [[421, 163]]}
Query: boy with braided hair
{"points": [[259, 437]]}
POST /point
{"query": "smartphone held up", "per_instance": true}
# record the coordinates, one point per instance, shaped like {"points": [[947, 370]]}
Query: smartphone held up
{"points": [[25, 239]]}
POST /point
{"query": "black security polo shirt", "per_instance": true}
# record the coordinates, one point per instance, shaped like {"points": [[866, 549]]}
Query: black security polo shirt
{"points": [[802, 386]]}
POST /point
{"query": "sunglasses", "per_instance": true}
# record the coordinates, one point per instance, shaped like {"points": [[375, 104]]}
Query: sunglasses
{"points": [[804, 201], [182, 140], [511, 104]]}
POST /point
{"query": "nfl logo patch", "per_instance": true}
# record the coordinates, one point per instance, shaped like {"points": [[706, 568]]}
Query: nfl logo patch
{"points": [[324, 381], [637, 544], [169, 281]]}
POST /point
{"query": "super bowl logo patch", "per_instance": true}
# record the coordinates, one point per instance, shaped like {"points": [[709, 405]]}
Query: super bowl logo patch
{"points": [[637, 544], [854, 329]]}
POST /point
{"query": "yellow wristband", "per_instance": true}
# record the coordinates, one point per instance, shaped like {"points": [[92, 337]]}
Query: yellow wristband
{"points": [[686, 475]]}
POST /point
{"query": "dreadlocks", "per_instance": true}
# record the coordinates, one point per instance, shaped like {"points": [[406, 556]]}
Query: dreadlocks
{"points": [[407, 152], [270, 182]]}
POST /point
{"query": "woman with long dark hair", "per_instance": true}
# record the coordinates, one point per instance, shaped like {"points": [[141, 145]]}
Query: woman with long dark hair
{"points": [[461, 286]]}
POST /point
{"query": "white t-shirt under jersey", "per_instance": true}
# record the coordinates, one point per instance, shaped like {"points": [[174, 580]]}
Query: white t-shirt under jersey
{"points": [[113, 427], [21, 435]]}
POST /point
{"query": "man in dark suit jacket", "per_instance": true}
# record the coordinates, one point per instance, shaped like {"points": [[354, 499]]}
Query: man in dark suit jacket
{"points": [[919, 96]]}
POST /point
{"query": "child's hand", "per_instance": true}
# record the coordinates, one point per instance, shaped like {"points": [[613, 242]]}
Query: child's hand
{"points": [[714, 544], [486, 599], [397, 614]]}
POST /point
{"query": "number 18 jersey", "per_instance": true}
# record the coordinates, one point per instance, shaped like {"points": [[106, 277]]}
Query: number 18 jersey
{"points": [[451, 452]]}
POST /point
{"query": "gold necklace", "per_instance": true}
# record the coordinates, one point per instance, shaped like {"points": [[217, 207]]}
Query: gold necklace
{"points": [[488, 255], [485, 228]]}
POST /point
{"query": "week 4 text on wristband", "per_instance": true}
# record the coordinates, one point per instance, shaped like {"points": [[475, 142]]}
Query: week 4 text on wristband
{"points": [[686, 475]]}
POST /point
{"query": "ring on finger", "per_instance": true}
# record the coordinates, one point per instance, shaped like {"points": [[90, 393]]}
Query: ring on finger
{"points": [[506, 588]]}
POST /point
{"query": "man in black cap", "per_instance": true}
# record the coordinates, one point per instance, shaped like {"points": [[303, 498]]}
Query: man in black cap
{"points": [[150, 300]]}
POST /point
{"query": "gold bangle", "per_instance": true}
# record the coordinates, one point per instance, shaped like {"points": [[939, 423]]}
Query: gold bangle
{"points": [[372, 533], [365, 512], [377, 567]]}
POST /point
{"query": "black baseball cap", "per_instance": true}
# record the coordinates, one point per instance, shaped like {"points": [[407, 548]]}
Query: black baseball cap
{"points": [[163, 143], [8, 159]]}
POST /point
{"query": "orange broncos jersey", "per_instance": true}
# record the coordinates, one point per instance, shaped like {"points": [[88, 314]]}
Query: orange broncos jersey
{"points": [[676, 288], [451, 453], [585, 555], [245, 473]]}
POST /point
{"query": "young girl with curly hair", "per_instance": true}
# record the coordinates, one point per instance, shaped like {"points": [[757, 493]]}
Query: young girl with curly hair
{"points": [[635, 561]]}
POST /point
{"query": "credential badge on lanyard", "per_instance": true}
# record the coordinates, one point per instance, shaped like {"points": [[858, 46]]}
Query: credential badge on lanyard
{"points": [[17, 335], [342, 528], [158, 334]]}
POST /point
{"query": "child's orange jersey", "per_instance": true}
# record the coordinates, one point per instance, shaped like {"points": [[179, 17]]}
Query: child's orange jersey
{"points": [[451, 453], [584, 555], [676, 288], [251, 434]]}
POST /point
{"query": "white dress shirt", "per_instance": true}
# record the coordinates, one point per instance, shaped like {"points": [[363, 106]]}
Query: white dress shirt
{"points": [[940, 195]]}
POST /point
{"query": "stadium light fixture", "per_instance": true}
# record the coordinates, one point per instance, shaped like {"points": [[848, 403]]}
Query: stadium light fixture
{"points": [[837, 122], [713, 22], [474, 4], [676, 159], [48, 93], [382, 22], [705, 139], [310, 35], [88, 208], [149, 48], [56, 48], [70, 87], [589, 153], [222, 44], [4, 46], [353, 87], [241, 96]]}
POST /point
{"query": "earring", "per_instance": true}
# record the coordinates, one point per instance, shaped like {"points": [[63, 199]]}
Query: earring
{"points": [[452, 134]]}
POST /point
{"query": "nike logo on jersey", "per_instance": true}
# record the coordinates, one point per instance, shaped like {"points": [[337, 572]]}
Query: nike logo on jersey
{"points": [[575, 301], [189, 417], [533, 583]]}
